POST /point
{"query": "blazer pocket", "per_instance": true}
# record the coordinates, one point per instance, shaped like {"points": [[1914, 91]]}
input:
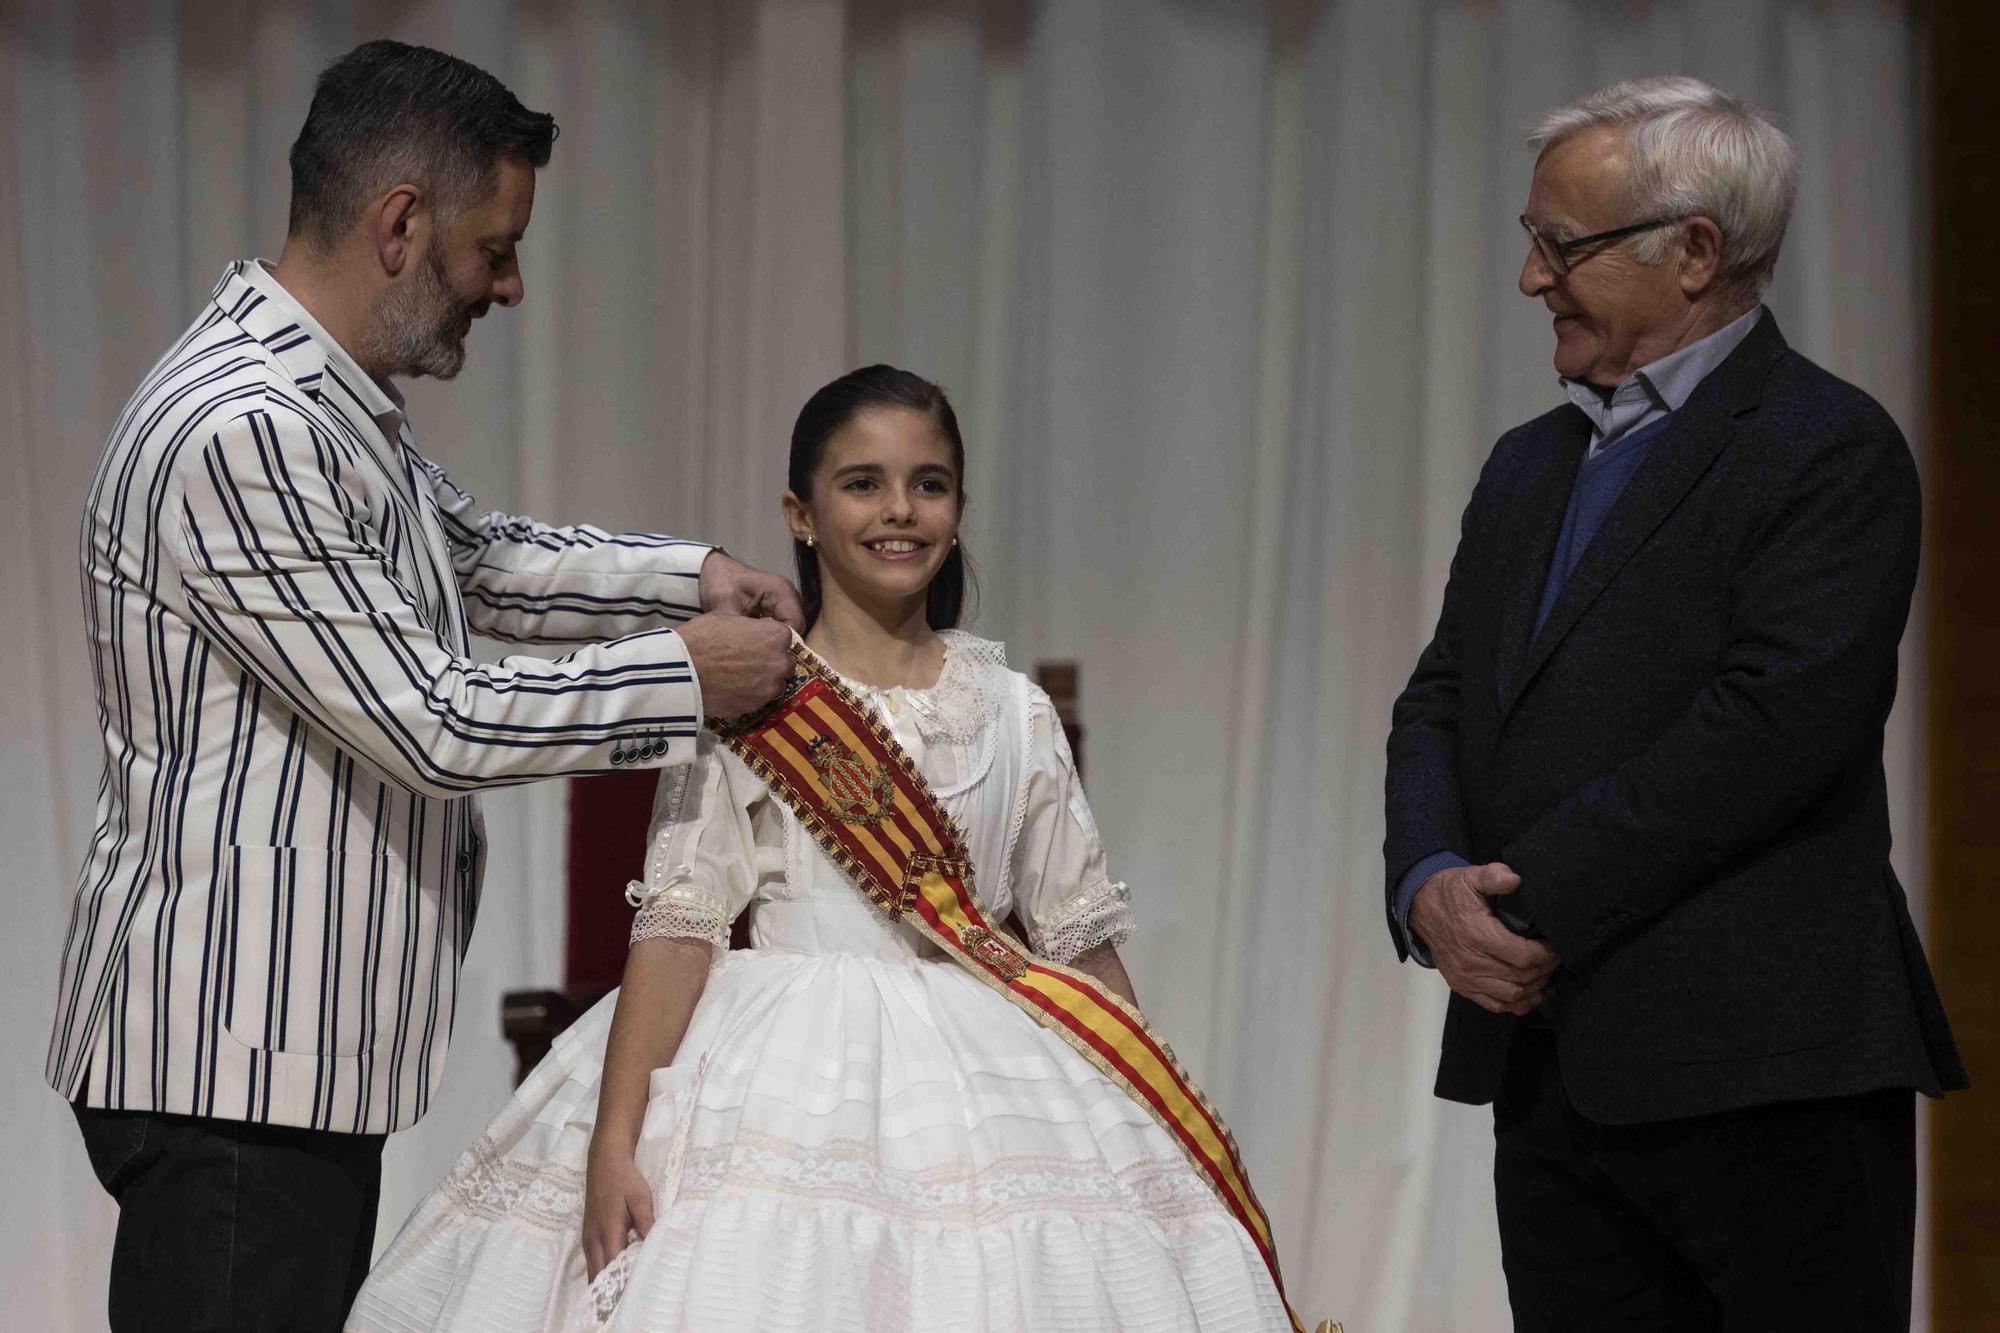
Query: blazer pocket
{"points": [[313, 939]]}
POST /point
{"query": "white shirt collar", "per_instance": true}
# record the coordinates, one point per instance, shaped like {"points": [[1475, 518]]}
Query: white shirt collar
{"points": [[309, 360]]}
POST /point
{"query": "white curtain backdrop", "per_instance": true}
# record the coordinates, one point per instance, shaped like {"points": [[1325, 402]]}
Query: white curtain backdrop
{"points": [[1225, 295]]}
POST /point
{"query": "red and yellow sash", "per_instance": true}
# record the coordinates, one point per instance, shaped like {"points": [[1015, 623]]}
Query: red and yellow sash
{"points": [[826, 755]]}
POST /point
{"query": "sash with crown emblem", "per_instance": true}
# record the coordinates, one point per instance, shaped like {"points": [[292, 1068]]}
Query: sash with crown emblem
{"points": [[831, 761]]}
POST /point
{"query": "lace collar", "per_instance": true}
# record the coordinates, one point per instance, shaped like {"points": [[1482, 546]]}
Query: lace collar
{"points": [[963, 703]]}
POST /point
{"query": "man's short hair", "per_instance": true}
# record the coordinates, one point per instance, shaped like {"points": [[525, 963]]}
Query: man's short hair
{"points": [[1695, 149], [387, 114]]}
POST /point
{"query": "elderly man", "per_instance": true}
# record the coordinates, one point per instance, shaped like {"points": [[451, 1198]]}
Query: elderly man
{"points": [[1637, 817], [262, 964]]}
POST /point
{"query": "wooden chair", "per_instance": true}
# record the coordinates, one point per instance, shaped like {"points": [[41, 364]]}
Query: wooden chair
{"points": [[605, 849]]}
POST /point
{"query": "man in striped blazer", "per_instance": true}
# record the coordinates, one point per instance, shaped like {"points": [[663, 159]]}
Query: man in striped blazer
{"points": [[262, 962]]}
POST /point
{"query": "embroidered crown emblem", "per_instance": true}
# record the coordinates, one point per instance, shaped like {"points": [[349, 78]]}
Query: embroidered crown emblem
{"points": [[857, 792]]}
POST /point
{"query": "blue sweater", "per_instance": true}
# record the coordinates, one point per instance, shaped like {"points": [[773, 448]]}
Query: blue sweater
{"points": [[1599, 483]]}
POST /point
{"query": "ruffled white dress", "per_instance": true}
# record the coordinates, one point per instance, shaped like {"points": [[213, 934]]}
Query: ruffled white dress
{"points": [[854, 1134]]}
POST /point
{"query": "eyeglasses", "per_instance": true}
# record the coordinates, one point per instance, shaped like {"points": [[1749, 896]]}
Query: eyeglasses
{"points": [[1557, 252]]}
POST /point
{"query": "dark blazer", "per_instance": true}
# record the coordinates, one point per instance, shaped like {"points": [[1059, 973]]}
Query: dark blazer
{"points": [[1685, 765]]}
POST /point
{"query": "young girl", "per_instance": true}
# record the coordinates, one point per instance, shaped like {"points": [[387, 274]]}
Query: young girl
{"points": [[846, 1127]]}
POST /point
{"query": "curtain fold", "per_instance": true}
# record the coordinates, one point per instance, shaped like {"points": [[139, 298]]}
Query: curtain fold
{"points": [[1224, 294]]}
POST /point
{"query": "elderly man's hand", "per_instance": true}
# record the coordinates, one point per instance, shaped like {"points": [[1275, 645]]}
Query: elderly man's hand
{"points": [[731, 588], [1479, 957]]}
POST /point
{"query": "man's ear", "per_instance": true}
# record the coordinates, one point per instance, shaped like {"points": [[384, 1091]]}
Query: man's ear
{"points": [[1701, 255], [399, 225]]}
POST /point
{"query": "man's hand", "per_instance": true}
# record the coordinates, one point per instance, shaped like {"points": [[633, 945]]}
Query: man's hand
{"points": [[1478, 957], [731, 588], [740, 662]]}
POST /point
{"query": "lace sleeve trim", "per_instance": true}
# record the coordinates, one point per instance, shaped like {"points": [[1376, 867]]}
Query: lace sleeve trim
{"points": [[677, 910], [1097, 916]]}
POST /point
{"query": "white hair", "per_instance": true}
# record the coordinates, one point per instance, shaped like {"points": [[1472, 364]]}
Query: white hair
{"points": [[1695, 149]]}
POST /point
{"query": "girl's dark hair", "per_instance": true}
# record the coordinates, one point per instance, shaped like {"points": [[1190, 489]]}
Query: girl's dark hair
{"points": [[823, 416]]}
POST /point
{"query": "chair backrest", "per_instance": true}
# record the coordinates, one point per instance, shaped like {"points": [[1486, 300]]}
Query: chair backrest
{"points": [[604, 850]]}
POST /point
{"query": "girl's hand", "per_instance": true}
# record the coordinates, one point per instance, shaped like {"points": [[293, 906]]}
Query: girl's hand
{"points": [[617, 1201]]}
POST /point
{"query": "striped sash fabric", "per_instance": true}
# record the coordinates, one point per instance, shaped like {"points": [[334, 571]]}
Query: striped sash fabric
{"points": [[280, 597], [831, 761]]}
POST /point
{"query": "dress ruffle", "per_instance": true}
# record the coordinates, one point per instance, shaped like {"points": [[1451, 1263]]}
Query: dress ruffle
{"points": [[843, 1143]]}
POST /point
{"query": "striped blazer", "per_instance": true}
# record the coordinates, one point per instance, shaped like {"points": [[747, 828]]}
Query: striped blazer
{"points": [[280, 596]]}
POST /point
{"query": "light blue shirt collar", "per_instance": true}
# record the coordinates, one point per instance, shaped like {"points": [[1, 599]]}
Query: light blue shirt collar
{"points": [[1660, 387]]}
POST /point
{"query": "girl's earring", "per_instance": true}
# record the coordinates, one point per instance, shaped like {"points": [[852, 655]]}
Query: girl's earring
{"points": [[809, 539], [954, 541]]}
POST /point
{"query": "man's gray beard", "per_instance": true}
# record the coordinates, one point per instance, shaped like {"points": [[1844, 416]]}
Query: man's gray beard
{"points": [[415, 329]]}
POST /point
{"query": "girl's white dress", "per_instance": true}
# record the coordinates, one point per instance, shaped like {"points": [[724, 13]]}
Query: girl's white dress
{"points": [[855, 1134]]}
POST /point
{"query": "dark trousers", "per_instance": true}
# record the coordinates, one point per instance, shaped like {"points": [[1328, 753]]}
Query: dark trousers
{"points": [[225, 1227], [1790, 1216]]}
